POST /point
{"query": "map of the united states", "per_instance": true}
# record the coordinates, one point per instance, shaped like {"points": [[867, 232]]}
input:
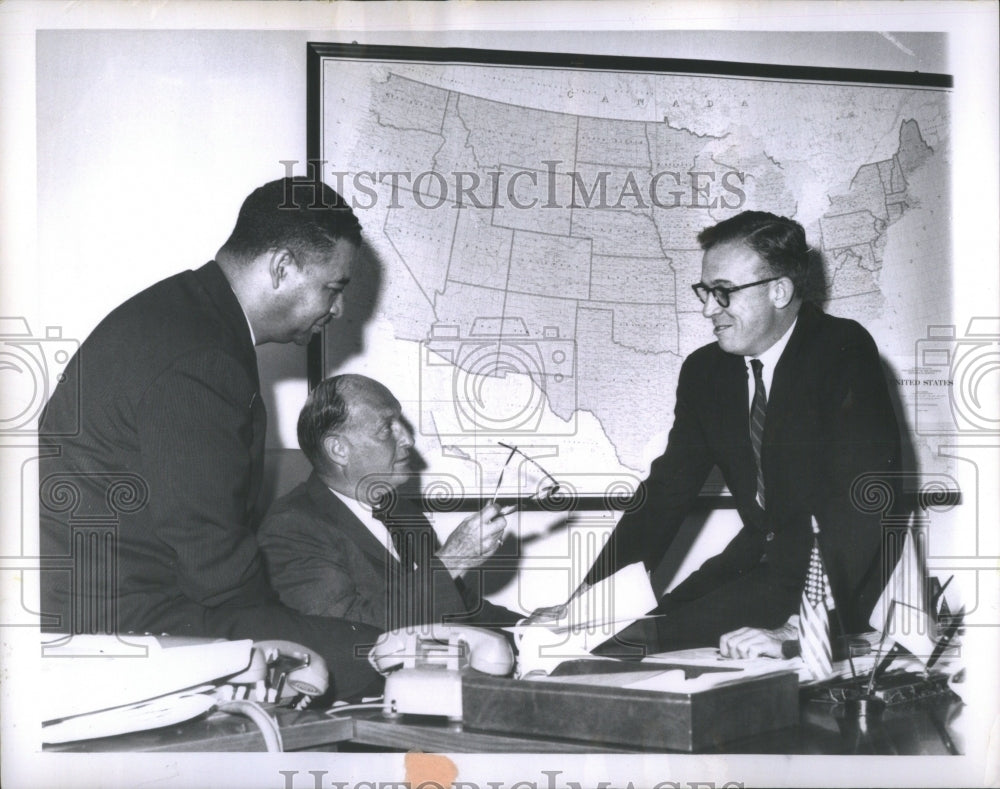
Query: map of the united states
{"points": [[538, 227]]}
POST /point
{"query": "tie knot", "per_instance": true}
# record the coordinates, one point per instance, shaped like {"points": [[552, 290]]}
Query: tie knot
{"points": [[758, 367]]}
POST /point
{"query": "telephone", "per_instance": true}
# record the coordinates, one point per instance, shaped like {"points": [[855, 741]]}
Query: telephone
{"points": [[286, 669], [102, 685], [423, 664]]}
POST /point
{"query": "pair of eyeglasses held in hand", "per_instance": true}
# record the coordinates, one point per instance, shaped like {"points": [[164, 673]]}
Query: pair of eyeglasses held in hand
{"points": [[541, 494]]}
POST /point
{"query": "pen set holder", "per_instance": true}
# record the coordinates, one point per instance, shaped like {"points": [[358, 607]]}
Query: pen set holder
{"points": [[895, 688]]}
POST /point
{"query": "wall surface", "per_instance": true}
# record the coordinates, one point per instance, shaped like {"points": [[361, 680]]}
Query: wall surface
{"points": [[148, 141]]}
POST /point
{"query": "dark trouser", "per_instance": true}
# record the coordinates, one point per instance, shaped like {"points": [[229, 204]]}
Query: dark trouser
{"points": [[343, 645], [684, 621]]}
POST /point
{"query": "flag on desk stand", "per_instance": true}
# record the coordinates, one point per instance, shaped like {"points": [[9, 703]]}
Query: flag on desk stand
{"points": [[814, 618], [901, 612]]}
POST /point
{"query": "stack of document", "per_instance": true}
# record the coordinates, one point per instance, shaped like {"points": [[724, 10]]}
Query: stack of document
{"points": [[602, 611]]}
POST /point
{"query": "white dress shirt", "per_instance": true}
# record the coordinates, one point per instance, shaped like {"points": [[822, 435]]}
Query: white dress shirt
{"points": [[364, 514], [769, 360]]}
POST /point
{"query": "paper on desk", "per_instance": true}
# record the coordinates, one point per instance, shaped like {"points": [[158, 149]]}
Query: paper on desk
{"points": [[618, 679], [604, 610], [667, 680], [709, 656], [611, 605]]}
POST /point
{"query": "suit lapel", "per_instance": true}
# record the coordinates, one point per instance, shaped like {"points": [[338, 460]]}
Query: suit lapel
{"points": [[785, 405], [730, 394], [218, 290], [332, 509], [415, 538], [734, 413], [784, 373], [230, 312], [258, 422]]}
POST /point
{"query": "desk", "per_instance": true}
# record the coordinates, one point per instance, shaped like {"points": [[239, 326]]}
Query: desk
{"points": [[914, 728], [219, 731]]}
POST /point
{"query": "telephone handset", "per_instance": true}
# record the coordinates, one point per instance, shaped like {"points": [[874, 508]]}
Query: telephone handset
{"points": [[423, 666], [111, 690], [284, 666], [449, 646]]}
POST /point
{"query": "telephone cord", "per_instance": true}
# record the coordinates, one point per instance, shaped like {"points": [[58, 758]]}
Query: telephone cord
{"points": [[255, 712]]}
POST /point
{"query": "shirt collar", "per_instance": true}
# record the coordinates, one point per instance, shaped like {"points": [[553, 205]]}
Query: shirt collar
{"points": [[770, 357], [253, 338], [363, 512], [355, 506]]}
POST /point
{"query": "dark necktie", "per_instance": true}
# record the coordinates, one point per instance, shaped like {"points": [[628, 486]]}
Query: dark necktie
{"points": [[409, 588], [758, 411], [400, 591]]}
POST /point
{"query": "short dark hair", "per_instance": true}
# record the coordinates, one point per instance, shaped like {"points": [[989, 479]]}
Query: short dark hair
{"points": [[780, 242], [325, 410], [298, 213]]}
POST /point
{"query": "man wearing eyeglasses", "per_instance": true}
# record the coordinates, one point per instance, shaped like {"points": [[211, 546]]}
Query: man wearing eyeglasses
{"points": [[792, 406], [346, 543]]}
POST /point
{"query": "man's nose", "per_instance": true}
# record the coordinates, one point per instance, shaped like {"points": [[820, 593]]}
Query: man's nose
{"points": [[710, 307], [403, 436], [337, 307]]}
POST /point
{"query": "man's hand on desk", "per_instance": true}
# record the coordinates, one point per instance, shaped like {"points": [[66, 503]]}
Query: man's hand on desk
{"points": [[474, 540], [751, 642]]}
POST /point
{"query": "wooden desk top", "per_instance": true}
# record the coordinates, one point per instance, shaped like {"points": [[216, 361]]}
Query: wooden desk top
{"points": [[916, 728], [219, 731]]}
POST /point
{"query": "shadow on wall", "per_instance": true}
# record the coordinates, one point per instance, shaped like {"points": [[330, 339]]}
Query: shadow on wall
{"points": [[908, 455], [345, 337], [817, 287]]}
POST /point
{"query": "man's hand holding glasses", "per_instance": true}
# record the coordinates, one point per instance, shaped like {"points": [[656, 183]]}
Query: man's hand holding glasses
{"points": [[480, 536], [474, 541]]}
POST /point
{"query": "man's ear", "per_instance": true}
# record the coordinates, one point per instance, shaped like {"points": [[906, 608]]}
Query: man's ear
{"points": [[782, 292], [336, 449], [279, 264]]}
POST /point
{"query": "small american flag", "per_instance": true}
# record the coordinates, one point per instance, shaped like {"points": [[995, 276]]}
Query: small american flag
{"points": [[814, 620]]}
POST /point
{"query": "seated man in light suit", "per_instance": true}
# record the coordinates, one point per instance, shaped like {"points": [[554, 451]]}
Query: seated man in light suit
{"points": [[344, 544]]}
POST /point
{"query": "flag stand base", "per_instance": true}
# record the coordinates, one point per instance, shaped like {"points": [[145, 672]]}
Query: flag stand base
{"points": [[891, 688]]}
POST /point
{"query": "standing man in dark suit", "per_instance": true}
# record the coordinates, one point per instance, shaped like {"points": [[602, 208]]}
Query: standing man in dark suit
{"points": [[148, 511], [343, 543], [792, 406]]}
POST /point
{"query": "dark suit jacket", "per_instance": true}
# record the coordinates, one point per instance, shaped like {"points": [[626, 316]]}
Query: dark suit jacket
{"points": [[147, 511], [829, 421], [323, 560]]}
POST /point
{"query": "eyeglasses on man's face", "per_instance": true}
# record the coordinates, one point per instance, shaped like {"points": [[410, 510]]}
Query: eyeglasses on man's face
{"points": [[721, 293]]}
